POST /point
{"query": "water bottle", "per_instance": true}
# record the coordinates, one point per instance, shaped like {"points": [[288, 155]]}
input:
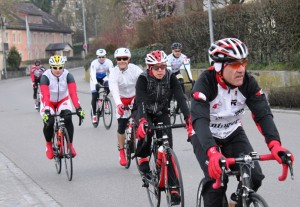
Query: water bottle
{"points": [[159, 156]]}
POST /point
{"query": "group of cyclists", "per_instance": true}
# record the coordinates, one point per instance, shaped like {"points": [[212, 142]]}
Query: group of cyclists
{"points": [[218, 101]]}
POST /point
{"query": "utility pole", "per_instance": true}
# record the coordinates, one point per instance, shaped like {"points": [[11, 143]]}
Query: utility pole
{"points": [[3, 27], [211, 32], [85, 45]]}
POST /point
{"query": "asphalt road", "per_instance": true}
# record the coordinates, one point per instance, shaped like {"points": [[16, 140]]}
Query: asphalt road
{"points": [[28, 178]]}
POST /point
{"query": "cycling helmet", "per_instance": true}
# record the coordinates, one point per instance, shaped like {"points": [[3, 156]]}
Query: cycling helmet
{"points": [[101, 52], [176, 45], [57, 60], [122, 52], [226, 50], [156, 57], [37, 63]]}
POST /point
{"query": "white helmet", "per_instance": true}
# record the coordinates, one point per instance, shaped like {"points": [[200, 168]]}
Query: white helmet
{"points": [[122, 52], [57, 60], [101, 52]]}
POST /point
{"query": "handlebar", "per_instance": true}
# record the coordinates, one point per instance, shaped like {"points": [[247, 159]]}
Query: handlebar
{"points": [[286, 164], [73, 113], [162, 127]]}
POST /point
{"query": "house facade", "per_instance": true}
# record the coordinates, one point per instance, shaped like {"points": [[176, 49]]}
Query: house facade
{"points": [[45, 32]]}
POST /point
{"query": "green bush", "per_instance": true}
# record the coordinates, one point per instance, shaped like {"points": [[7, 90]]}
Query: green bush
{"points": [[285, 97], [13, 59]]}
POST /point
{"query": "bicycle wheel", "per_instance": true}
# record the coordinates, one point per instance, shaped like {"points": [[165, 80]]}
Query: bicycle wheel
{"points": [[127, 146], [173, 106], [199, 202], [56, 152], [189, 106], [67, 154], [173, 182], [153, 191], [256, 200], [107, 113]]}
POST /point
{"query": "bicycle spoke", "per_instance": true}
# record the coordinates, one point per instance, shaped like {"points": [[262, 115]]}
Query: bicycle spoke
{"points": [[107, 113]]}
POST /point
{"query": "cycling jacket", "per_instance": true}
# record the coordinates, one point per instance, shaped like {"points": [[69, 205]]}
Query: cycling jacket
{"points": [[99, 71], [36, 73], [174, 63], [153, 96], [217, 109], [56, 89]]}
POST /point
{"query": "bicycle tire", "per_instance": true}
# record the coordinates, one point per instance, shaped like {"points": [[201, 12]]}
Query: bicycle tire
{"points": [[173, 105], [127, 147], [174, 161], [199, 201], [56, 152], [107, 113], [189, 106], [153, 191], [67, 155], [256, 200]]}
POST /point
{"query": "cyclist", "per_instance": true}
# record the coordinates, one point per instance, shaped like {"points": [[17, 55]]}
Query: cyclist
{"points": [[98, 75], [153, 88], [122, 80], [220, 96], [178, 60], [57, 84], [36, 72]]}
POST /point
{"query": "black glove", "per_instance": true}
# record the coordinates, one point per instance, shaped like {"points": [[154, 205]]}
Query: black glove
{"points": [[97, 87], [80, 112], [46, 116]]}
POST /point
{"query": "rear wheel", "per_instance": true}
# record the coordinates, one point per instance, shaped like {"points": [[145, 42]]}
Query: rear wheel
{"points": [[153, 190], [173, 180], [56, 152], [67, 154], [107, 113]]}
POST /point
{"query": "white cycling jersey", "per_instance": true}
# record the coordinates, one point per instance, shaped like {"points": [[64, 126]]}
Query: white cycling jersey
{"points": [[176, 64], [100, 71], [122, 82]]}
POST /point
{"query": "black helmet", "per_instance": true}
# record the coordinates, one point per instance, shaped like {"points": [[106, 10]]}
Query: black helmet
{"points": [[176, 45], [37, 63]]}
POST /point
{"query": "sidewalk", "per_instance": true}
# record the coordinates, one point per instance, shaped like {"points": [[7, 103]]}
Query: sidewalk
{"points": [[18, 190]]}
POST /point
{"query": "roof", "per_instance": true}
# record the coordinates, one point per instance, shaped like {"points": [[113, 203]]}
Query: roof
{"points": [[57, 46], [16, 19]]}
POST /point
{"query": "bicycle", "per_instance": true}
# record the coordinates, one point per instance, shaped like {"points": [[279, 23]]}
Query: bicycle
{"points": [[174, 108], [157, 179], [130, 140], [245, 196], [61, 145], [103, 109]]}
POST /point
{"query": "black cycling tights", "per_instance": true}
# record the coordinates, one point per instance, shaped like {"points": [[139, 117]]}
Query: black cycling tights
{"points": [[49, 131]]}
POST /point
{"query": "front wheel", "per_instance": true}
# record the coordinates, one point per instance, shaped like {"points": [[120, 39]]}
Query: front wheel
{"points": [[173, 106], [67, 154], [173, 179], [256, 200], [128, 148], [199, 202], [57, 152], [107, 113]]}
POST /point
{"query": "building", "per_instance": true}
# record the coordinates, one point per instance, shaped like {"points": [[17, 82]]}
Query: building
{"points": [[47, 35]]}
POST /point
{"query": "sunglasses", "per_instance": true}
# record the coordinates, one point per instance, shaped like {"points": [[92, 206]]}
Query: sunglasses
{"points": [[101, 57], [177, 50], [57, 67], [122, 58], [157, 67], [236, 64]]}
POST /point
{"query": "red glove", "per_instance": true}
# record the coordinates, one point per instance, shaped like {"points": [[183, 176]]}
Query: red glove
{"points": [[140, 133], [214, 169], [189, 126], [120, 109], [277, 150]]}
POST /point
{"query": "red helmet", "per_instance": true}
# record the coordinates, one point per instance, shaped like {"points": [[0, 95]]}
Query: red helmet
{"points": [[156, 57]]}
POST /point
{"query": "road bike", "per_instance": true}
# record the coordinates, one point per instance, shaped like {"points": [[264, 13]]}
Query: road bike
{"points": [[61, 145], [245, 196], [103, 109], [165, 174], [174, 108]]}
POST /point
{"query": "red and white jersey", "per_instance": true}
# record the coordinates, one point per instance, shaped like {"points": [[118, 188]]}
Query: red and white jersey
{"points": [[36, 72]]}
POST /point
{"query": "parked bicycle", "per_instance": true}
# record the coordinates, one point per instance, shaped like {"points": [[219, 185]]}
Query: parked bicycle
{"points": [[61, 145], [160, 161], [103, 109], [245, 196]]}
